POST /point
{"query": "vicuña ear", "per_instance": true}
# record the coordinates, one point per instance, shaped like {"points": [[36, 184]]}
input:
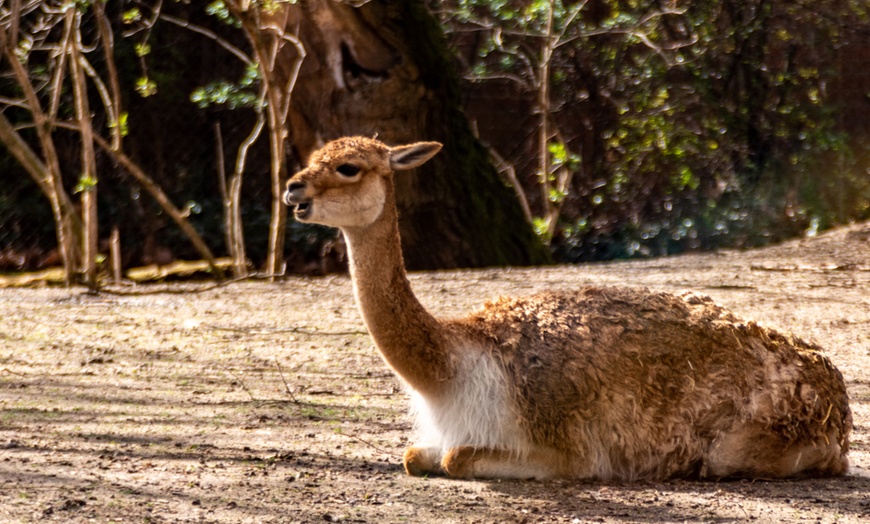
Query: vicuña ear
{"points": [[412, 155]]}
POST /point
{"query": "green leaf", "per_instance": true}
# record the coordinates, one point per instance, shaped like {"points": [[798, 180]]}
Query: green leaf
{"points": [[559, 152], [252, 75], [146, 87], [131, 16], [539, 224], [121, 123], [218, 9], [219, 93], [556, 196], [86, 183], [479, 70], [688, 179], [142, 49]]}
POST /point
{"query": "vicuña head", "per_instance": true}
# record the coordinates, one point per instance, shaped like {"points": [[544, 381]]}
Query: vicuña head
{"points": [[598, 383], [346, 183]]}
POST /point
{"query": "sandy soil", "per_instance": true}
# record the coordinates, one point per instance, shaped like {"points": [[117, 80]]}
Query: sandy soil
{"points": [[258, 402]]}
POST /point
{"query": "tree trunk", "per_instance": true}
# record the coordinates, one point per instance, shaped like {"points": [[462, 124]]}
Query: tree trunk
{"points": [[384, 69], [88, 177], [67, 223], [279, 54], [231, 199], [45, 169]]}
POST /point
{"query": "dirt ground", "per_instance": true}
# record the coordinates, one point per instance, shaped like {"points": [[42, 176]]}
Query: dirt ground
{"points": [[258, 402]]}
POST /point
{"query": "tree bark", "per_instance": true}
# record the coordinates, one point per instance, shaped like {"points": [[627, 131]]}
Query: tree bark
{"points": [[384, 69], [269, 33], [88, 177], [231, 197]]}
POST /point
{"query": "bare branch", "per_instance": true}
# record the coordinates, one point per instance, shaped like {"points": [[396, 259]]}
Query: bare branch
{"points": [[220, 162], [235, 51], [501, 76], [25, 155], [108, 101], [160, 197], [522, 57], [14, 103], [297, 66], [113, 103], [508, 169], [284, 380], [59, 71], [41, 120], [241, 384], [369, 444], [634, 28], [148, 24], [16, 20], [570, 21], [242, 156], [45, 169]]}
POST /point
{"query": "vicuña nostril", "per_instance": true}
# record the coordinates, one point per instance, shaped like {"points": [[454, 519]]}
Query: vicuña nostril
{"points": [[292, 186]]}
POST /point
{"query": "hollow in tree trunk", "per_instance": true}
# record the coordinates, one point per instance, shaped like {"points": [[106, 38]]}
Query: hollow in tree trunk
{"points": [[384, 69]]}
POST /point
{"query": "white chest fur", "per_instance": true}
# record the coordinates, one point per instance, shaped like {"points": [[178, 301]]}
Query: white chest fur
{"points": [[478, 411]]}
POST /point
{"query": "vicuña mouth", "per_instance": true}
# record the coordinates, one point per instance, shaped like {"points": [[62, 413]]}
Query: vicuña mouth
{"points": [[303, 209]]}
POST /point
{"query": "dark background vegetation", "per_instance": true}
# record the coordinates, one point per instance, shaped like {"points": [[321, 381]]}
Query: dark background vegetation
{"points": [[726, 124]]}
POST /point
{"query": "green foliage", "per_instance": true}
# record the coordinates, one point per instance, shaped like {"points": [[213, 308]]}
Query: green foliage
{"points": [[219, 10], [142, 49], [146, 87], [705, 125], [720, 133], [131, 16], [122, 123], [86, 182], [561, 156], [233, 95], [539, 224]]}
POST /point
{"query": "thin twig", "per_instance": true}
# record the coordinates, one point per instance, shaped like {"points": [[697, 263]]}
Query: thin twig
{"points": [[183, 291], [286, 386], [508, 169], [220, 160], [297, 65], [299, 331], [242, 384], [16, 103], [235, 51], [246, 144], [58, 76], [369, 444], [108, 102]]}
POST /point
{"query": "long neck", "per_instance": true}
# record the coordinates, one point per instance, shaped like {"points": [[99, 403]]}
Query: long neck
{"points": [[411, 340]]}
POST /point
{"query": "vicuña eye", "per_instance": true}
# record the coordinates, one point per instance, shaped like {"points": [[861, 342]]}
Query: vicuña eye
{"points": [[347, 170]]}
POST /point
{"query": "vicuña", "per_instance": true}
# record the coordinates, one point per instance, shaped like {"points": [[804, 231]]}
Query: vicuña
{"points": [[597, 383]]}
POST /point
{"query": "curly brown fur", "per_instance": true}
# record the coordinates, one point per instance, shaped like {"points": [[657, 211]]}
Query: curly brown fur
{"points": [[633, 384]]}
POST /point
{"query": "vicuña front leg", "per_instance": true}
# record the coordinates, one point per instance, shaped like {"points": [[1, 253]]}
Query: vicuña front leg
{"points": [[420, 461], [467, 462]]}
